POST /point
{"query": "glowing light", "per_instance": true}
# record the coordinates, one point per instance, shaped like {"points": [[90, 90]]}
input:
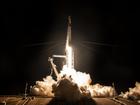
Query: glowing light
{"points": [[69, 57], [81, 79]]}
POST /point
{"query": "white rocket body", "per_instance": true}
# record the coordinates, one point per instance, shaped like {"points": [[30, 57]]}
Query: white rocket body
{"points": [[68, 49]]}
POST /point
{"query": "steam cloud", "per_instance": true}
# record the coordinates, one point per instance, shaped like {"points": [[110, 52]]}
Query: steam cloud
{"points": [[73, 85], [133, 93], [43, 87]]}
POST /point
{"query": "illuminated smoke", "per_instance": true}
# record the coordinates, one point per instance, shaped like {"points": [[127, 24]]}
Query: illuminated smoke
{"points": [[81, 79], [67, 90], [98, 90], [70, 85], [133, 93], [73, 85], [43, 87]]}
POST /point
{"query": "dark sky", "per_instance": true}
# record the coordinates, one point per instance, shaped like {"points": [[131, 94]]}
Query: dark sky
{"points": [[104, 35]]}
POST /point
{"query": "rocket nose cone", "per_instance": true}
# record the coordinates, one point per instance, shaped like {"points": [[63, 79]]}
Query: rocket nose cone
{"points": [[69, 20]]}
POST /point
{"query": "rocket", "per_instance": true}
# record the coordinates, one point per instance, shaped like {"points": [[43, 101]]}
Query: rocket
{"points": [[68, 40], [68, 49], [69, 54]]}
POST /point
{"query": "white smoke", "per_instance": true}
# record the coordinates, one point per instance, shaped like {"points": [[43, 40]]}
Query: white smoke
{"points": [[43, 87], [133, 93], [82, 79], [67, 90], [98, 90], [73, 85]]}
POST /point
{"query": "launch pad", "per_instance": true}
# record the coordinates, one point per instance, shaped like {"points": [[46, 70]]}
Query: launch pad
{"points": [[39, 100]]}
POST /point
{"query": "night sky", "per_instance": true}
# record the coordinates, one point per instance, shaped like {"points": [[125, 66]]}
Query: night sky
{"points": [[104, 35]]}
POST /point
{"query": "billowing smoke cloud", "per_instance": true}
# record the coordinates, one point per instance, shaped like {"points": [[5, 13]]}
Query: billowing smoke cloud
{"points": [[98, 90], [133, 93], [43, 87], [82, 79], [73, 85], [67, 90]]}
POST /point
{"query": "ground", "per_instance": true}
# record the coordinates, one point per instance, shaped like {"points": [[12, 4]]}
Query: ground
{"points": [[36, 100]]}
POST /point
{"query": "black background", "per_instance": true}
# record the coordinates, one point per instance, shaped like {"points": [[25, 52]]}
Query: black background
{"points": [[104, 34]]}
